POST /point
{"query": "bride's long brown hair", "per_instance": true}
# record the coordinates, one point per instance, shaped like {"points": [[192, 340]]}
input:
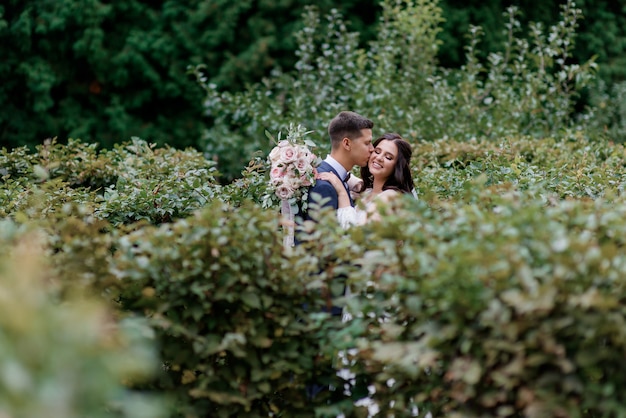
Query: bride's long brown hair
{"points": [[401, 178]]}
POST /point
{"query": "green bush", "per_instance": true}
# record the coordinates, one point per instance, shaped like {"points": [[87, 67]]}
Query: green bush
{"points": [[577, 167], [131, 182], [239, 321], [69, 357], [502, 307], [156, 185], [497, 293]]}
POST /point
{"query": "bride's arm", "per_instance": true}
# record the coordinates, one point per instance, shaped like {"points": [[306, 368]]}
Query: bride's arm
{"points": [[346, 214], [342, 195]]}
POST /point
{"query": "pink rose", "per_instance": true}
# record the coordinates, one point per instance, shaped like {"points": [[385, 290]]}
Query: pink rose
{"points": [[302, 164], [288, 154], [277, 172], [304, 180], [284, 192]]}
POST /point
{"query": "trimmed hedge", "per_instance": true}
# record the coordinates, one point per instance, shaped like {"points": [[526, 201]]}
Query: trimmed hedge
{"points": [[229, 308], [498, 293]]}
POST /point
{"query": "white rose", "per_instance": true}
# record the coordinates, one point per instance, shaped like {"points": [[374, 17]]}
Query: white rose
{"points": [[303, 152], [274, 154], [291, 180]]}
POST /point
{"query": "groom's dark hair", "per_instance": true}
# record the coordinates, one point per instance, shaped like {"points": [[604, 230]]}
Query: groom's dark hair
{"points": [[347, 125]]}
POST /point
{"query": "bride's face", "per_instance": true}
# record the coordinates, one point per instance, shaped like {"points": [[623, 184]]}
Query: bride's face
{"points": [[382, 162]]}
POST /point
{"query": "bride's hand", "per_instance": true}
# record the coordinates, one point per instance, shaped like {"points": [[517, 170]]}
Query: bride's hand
{"points": [[332, 179], [355, 184]]}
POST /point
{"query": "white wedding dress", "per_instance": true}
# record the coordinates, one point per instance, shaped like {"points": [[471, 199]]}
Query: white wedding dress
{"points": [[351, 216]]}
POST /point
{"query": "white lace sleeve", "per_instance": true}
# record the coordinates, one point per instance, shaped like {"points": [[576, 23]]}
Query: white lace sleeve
{"points": [[349, 216]]}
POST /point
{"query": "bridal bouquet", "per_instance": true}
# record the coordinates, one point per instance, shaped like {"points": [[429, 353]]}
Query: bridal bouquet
{"points": [[292, 167], [291, 173]]}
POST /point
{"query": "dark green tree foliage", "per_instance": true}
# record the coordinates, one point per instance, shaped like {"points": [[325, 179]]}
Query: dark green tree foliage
{"points": [[488, 14], [602, 32], [107, 71], [250, 38], [97, 71]]}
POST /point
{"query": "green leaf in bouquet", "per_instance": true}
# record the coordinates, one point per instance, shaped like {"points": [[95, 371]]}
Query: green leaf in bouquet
{"points": [[271, 137]]}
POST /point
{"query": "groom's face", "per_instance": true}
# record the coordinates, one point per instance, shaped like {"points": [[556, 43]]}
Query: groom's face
{"points": [[361, 148]]}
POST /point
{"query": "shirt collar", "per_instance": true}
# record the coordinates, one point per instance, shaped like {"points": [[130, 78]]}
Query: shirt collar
{"points": [[337, 167]]}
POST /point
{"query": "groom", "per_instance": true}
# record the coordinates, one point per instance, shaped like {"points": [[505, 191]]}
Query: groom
{"points": [[351, 145]]}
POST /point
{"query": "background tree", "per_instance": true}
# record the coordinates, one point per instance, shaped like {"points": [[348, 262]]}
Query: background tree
{"points": [[602, 32], [107, 71]]}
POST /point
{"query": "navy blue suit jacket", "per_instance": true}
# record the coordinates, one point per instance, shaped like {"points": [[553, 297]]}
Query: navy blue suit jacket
{"points": [[326, 192], [323, 190]]}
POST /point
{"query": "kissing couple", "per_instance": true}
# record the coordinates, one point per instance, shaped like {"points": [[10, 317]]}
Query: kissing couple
{"points": [[385, 171]]}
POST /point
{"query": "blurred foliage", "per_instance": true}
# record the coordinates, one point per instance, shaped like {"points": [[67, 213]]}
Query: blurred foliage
{"points": [[228, 307], [610, 100], [65, 356], [505, 305], [499, 292]]}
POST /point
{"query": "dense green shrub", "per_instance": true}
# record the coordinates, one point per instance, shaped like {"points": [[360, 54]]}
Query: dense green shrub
{"points": [[498, 292], [502, 307], [239, 321], [156, 185], [475, 308], [576, 168], [131, 182]]}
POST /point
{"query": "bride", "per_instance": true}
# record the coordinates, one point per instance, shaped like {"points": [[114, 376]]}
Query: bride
{"points": [[386, 176]]}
